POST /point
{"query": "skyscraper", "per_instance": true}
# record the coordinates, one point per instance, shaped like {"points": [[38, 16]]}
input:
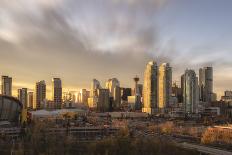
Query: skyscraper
{"points": [[7, 85], [40, 94], [95, 84], [22, 96], [30, 100], [92, 100], [115, 92], [165, 85], [150, 88], [206, 84], [84, 95], [177, 92], [190, 91], [57, 92], [103, 100]]}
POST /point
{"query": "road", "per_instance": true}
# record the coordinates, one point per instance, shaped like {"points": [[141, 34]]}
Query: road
{"points": [[188, 144], [204, 149]]}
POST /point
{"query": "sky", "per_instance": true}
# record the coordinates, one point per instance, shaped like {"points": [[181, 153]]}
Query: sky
{"points": [[78, 40]]}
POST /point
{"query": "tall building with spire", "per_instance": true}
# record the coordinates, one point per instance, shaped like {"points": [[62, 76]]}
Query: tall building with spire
{"points": [[137, 94], [7, 85], [165, 86], [40, 94], [150, 88], [57, 92], [206, 84], [190, 92]]}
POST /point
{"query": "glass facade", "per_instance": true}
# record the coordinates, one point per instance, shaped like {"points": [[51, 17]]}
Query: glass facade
{"points": [[10, 108]]}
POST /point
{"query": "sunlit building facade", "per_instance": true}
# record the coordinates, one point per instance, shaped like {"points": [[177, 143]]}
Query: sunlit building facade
{"points": [[150, 88], [95, 84], [190, 92], [84, 95], [113, 85], [165, 86], [7, 85], [93, 98]]}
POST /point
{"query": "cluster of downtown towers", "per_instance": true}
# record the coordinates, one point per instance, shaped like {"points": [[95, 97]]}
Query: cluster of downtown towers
{"points": [[157, 88], [156, 95]]}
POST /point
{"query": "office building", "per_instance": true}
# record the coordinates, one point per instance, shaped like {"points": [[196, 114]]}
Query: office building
{"points": [[22, 96], [40, 94], [83, 97], [206, 84], [227, 96], [93, 98], [113, 86], [125, 92], [57, 92], [190, 92], [6, 85], [95, 84], [150, 88], [165, 86], [103, 100]]}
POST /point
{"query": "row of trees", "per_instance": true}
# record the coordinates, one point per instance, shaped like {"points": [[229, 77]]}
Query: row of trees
{"points": [[37, 142], [170, 128]]}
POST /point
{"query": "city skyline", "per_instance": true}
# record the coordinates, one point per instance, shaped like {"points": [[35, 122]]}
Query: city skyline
{"points": [[116, 77], [49, 85], [81, 40]]}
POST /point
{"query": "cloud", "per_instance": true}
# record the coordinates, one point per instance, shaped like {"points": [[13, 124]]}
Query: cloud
{"points": [[78, 40]]}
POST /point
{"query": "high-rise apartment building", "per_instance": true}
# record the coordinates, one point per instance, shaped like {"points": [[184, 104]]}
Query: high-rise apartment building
{"points": [[150, 88], [30, 100], [22, 96], [40, 94], [190, 92], [7, 85], [57, 92], [165, 86], [177, 92], [206, 84]]}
